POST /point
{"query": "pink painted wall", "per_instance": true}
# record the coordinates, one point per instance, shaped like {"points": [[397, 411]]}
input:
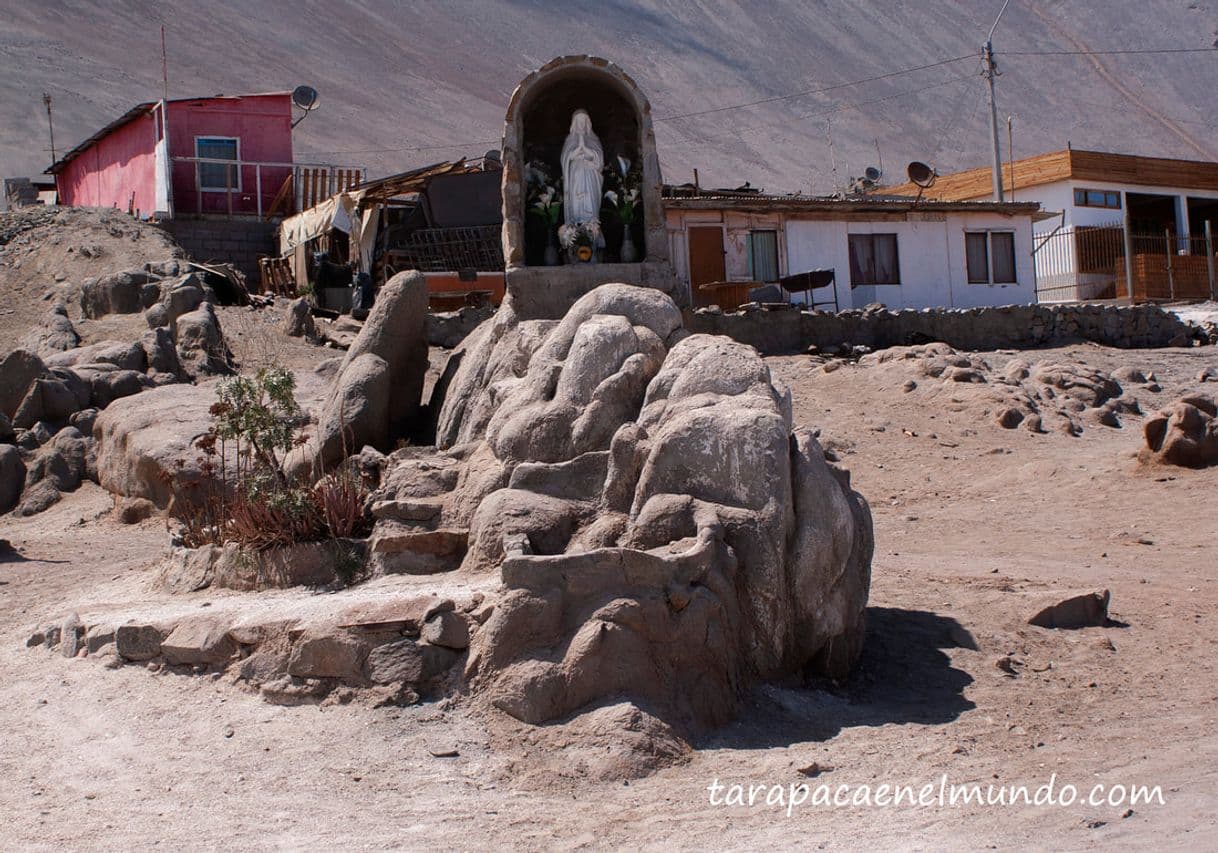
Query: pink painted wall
{"points": [[262, 123], [109, 171], [124, 161]]}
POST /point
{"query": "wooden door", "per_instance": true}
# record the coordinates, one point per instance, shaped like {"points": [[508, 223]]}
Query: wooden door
{"points": [[706, 262]]}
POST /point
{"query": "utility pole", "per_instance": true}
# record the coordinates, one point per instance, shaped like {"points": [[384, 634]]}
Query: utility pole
{"points": [[989, 73], [46, 99]]}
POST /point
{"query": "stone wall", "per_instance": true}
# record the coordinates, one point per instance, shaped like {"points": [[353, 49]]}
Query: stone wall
{"points": [[240, 241], [787, 329]]}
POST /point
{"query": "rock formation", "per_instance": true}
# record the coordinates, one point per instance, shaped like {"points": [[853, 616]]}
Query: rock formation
{"points": [[375, 396], [661, 529], [1185, 434]]}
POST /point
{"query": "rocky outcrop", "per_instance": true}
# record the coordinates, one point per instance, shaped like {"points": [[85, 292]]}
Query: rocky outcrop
{"points": [[55, 334], [12, 477], [375, 396], [662, 530], [1037, 397], [145, 443], [1185, 434], [19, 370]]}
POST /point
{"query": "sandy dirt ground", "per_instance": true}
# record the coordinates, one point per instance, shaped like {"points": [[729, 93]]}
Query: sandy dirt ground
{"points": [[973, 525]]}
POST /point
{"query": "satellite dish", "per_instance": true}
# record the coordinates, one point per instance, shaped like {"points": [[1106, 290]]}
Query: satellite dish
{"points": [[305, 97], [872, 175], [921, 175]]}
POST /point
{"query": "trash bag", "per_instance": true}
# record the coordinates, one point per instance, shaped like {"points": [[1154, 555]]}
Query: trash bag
{"points": [[362, 296]]}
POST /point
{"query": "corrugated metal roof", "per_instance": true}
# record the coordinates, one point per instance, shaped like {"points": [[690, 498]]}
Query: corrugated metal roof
{"points": [[828, 204]]}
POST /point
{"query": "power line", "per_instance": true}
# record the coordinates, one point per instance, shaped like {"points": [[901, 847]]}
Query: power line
{"points": [[810, 92], [807, 92], [1147, 51], [415, 148], [856, 105]]}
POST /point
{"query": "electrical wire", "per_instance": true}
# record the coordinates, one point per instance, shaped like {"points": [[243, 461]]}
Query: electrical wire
{"points": [[1136, 51], [811, 92], [790, 95]]}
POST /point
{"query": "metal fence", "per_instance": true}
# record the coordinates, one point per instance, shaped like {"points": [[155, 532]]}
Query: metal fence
{"points": [[1088, 263], [476, 248]]}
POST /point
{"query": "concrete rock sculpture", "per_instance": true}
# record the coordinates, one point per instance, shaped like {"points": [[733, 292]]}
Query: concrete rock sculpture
{"points": [[661, 529]]}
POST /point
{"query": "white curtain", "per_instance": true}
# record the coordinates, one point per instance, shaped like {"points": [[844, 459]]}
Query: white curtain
{"points": [[763, 247]]}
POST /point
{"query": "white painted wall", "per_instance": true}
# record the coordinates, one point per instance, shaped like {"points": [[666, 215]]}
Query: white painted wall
{"points": [[932, 260]]}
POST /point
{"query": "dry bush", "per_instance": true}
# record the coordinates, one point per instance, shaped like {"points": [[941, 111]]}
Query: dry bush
{"points": [[244, 496]]}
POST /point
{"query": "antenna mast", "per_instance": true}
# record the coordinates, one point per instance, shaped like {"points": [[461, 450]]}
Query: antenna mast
{"points": [[164, 67], [46, 99], [989, 73]]}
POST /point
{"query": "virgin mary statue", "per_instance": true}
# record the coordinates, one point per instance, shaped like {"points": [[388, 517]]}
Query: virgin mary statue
{"points": [[583, 158]]}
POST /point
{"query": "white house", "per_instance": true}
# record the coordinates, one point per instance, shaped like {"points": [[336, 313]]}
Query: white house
{"points": [[903, 252], [1094, 197]]}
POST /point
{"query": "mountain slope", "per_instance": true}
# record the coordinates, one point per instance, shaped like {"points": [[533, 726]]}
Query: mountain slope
{"points": [[405, 83]]}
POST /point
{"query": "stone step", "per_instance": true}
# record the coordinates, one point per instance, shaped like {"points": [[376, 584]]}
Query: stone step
{"points": [[416, 510], [422, 552]]}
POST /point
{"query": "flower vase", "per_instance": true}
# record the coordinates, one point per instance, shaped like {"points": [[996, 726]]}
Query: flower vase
{"points": [[628, 254], [550, 258]]}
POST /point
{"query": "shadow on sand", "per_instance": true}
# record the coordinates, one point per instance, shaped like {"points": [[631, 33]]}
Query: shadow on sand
{"points": [[904, 676]]}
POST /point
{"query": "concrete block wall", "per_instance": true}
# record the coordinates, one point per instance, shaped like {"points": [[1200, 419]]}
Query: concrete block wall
{"points": [[790, 330], [239, 240]]}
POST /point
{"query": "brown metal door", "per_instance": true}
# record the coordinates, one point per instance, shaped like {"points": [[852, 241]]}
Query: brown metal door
{"points": [[706, 262]]}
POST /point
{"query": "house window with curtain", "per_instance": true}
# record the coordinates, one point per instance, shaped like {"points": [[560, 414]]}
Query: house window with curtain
{"points": [[763, 256], [217, 176], [990, 257], [874, 259]]}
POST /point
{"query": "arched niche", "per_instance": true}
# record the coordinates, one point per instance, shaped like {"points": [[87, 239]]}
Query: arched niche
{"points": [[545, 123], [537, 122]]}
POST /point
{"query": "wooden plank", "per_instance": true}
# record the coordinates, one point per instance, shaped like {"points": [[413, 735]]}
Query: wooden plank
{"points": [[1057, 166]]}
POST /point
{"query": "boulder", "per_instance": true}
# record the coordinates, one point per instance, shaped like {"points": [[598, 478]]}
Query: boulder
{"points": [[12, 477], [83, 421], [395, 331], [18, 371], [182, 296], [55, 397], [125, 356], [65, 461], [298, 320], [54, 335], [1081, 610], [37, 498], [355, 413], [138, 642], [201, 345], [119, 293], [399, 662], [7, 434], [110, 385], [134, 510], [160, 353], [448, 629], [324, 653], [199, 641], [145, 444], [447, 329], [1185, 434]]}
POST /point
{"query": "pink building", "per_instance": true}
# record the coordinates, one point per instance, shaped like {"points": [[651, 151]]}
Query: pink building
{"points": [[172, 158]]}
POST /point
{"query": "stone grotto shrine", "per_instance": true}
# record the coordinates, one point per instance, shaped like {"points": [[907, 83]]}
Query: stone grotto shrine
{"points": [[537, 124], [612, 509]]}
